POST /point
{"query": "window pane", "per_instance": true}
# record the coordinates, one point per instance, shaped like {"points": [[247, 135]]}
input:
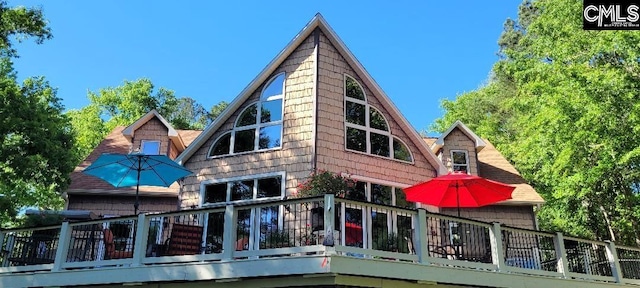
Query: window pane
{"points": [[459, 157], [221, 147], [245, 141], [274, 88], [376, 120], [215, 232], [244, 229], [379, 144], [270, 187], [358, 192], [150, 147], [271, 111], [356, 139], [353, 90], [242, 190], [380, 194], [400, 151], [460, 168], [404, 233], [401, 199], [355, 113], [215, 193], [248, 116], [270, 235], [353, 227], [380, 232], [270, 137]]}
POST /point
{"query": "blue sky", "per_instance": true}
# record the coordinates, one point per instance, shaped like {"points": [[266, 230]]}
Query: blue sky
{"points": [[419, 52]]}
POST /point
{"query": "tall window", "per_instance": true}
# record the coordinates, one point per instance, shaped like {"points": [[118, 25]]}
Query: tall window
{"points": [[459, 161], [267, 186], [259, 125], [366, 129], [387, 225], [150, 147]]}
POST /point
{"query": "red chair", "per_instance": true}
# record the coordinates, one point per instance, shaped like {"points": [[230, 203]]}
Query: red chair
{"points": [[110, 247]]}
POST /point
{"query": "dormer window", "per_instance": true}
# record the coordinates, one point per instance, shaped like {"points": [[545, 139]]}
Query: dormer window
{"points": [[366, 129], [259, 125], [460, 161], [150, 147]]}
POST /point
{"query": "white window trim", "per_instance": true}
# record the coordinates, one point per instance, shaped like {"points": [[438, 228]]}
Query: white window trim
{"points": [[254, 177], [142, 142], [466, 159], [368, 130], [393, 151]]}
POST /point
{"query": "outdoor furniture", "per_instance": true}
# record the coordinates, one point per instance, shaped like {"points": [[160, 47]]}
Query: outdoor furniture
{"points": [[110, 247], [184, 240], [33, 250]]}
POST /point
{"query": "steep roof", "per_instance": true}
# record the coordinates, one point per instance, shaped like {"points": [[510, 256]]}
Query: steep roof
{"points": [[439, 142], [173, 134], [317, 22], [117, 142], [494, 166]]}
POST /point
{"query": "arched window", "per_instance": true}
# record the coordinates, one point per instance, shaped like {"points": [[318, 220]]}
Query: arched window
{"points": [[259, 125], [366, 129]]}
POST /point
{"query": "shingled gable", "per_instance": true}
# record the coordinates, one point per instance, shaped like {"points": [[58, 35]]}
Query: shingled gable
{"points": [[317, 22], [173, 134], [480, 144]]}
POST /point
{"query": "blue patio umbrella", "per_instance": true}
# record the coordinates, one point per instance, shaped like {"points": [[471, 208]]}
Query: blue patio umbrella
{"points": [[127, 170]]}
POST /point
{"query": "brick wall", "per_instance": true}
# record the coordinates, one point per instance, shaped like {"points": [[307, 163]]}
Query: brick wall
{"points": [[516, 216], [457, 140], [331, 151], [152, 130], [295, 155], [120, 205]]}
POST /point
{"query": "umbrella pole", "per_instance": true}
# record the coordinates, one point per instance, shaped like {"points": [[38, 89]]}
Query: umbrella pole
{"points": [[136, 204], [458, 198]]}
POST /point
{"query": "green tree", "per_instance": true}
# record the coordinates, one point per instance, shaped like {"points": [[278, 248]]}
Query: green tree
{"points": [[562, 104], [36, 155], [122, 105]]}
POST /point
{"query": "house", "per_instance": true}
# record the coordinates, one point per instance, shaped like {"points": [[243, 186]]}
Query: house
{"points": [[151, 134], [313, 108]]}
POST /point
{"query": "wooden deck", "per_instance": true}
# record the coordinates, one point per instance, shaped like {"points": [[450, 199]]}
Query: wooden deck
{"points": [[275, 244]]}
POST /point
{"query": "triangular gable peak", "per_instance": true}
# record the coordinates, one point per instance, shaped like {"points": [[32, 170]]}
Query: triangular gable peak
{"points": [[317, 22], [129, 132], [439, 143]]}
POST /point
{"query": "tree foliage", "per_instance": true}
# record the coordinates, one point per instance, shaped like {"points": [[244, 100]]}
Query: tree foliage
{"points": [[122, 105], [36, 155], [563, 105]]}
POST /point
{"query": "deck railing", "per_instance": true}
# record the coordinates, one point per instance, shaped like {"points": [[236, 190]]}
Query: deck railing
{"points": [[311, 226]]}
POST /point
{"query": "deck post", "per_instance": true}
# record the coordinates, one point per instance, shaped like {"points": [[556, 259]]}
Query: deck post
{"points": [[420, 236], [612, 255], [497, 249], [229, 235], [63, 246], [561, 254], [140, 244], [329, 219]]}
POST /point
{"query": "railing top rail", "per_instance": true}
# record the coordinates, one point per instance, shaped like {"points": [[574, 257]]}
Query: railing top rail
{"points": [[585, 240], [24, 229], [459, 219], [619, 247], [530, 231], [376, 205]]}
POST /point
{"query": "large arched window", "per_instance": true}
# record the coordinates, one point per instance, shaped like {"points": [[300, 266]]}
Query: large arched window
{"points": [[366, 129], [259, 125]]}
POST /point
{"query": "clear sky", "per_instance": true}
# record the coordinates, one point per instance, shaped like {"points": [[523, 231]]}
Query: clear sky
{"points": [[419, 52]]}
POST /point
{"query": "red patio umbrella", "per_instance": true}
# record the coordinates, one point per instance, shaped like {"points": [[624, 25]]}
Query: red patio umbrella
{"points": [[459, 190]]}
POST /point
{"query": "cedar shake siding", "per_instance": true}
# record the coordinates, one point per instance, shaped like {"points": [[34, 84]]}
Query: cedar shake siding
{"points": [[331, 151], [120, 205], [153, 130], [295, 155], [457, 140]]}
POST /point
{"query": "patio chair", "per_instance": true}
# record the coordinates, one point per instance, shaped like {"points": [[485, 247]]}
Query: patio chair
{"points": [[110, 247], [184, 240]]}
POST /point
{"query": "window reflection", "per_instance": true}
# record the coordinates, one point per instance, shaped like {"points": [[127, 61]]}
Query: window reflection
{"points": [[355, 113], [221, 146], [270, 137], [271, 111], [274, 88], [248, 116], [353, 89], [400, 151], [242, 190], [379, 144], [356, 139], [376, 120], [245, 140]]}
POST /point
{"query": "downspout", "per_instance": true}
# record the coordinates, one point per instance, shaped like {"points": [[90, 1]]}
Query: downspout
{"points": [[314, 97]]}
